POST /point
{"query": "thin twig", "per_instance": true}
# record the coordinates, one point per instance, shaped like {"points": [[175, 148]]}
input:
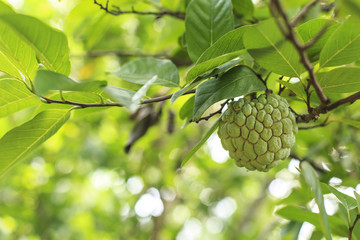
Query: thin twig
{"points": [[276, 9], [303, 12], [323, 124], [117, 11], [110, 104], [353, 226], [212, 114]]}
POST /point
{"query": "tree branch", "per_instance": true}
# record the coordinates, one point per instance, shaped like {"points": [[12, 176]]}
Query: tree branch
{"points": [[117, 11], [289, 34], [314, 114], [110, 104], [353, 226]]}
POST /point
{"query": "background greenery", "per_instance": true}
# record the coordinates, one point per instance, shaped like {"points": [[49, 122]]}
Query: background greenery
{"points": [[81, 184]]}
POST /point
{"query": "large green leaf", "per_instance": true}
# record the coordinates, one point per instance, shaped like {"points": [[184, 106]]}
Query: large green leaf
{"points": [[210, 64], [49, 44], [201, 142], [302, 215], [206, 21], [47, 80], [341, 80], [343, 45], [313, 182], [297, 88], [14, 96], [141, 70], [18, 142], [236, 82], [16, 57], [310, 29], [267, 45]]}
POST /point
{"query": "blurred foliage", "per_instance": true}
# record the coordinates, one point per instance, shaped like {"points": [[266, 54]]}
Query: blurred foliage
{"points": [[82, 185]]}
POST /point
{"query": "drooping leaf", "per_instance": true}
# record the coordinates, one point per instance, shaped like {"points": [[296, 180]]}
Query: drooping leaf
{"points": [[145, 117], [142, 70], [206, 21], [14, 96], [210, 64], [49, 44], [47, 80], [18, 142], [310, 29], [236, 82], [341, 80], [314, 184], [342, 46], [136, 99], [266, 44], [202, 141], [302, 215], [17, 58]]}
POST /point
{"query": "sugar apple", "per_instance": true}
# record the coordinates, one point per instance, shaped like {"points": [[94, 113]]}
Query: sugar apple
{"points": [[258, 133]]}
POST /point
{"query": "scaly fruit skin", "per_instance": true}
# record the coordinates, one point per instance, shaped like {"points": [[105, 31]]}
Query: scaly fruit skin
{"points": [[258, 133]]}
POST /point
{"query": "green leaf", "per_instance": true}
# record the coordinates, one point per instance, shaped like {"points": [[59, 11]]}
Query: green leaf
{"points": [[187, 109], [297, 88], [341, 80], [230, 42], [5, 9], [20, 141], [16, 57], [141, 70], [310, 29], [347, 7], [121, 95], [243, 7], [267, 46], [348, 202], [342, 46], [14, 96], [302, 215], [49, 44], [208, 65], [202, 141], [47, 80], [357, 196], [236, 82], [206, 21], [313, 182]]}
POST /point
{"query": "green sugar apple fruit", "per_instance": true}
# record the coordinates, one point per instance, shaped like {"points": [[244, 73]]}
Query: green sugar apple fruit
{"points": [[258, 133]]}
